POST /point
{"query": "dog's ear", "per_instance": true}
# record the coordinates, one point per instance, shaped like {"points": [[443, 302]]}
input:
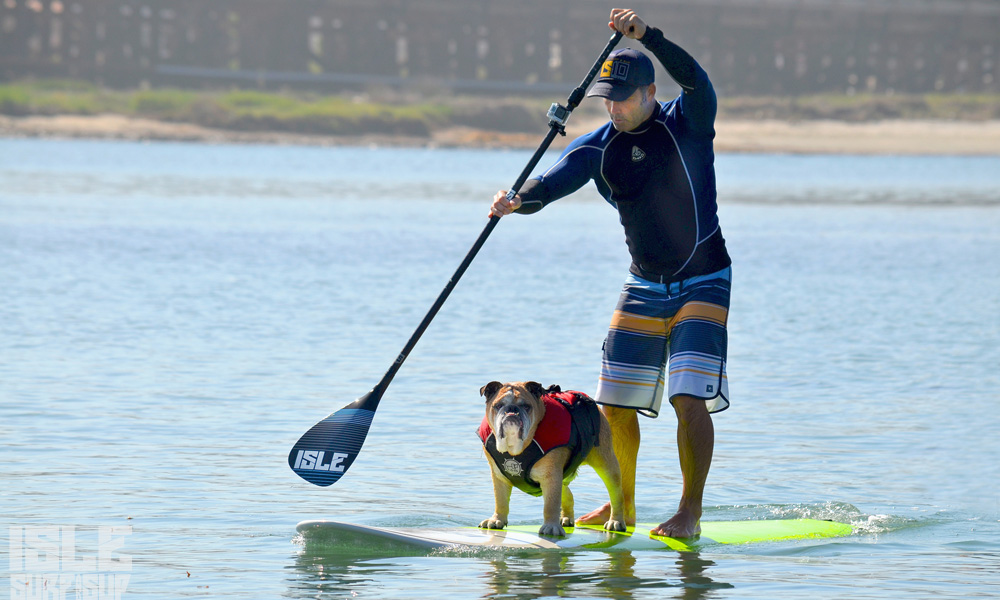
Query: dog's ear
{"points": [[535, 388], [553, 389], [490, 389]]}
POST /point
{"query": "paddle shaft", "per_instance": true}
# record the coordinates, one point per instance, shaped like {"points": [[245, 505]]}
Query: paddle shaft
{"points": [[325, 452], [556, 127]]}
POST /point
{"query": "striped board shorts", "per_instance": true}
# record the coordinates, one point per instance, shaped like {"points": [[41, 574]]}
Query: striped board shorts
{"points": [[677, 326]]}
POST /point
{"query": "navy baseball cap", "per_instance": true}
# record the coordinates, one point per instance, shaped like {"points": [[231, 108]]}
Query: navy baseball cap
{"points": [[625, 70]]}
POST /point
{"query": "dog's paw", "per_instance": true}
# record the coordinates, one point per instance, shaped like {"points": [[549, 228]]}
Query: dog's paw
{"points": [[613, 525], [493, 523], [567, 522], [552, 529]]}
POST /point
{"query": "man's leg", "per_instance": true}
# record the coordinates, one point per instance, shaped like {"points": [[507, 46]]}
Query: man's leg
{"points": [[695, 443], [625, 441]]}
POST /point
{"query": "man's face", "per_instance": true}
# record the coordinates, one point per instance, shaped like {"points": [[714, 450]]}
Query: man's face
{"points": [[629, 113]]}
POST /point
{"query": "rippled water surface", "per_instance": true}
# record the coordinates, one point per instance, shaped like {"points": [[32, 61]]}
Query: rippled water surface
{"points": [[173, 317]]}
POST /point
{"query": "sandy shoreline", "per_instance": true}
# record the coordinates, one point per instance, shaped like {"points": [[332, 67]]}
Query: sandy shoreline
{"points": [[764, 136]]}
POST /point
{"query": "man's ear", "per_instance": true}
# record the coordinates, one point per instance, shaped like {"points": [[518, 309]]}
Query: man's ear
{"points": [[490, 389], [651, 92]]}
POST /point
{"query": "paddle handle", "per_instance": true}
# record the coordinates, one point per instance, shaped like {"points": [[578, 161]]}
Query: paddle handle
{"points": [[579, 93]]}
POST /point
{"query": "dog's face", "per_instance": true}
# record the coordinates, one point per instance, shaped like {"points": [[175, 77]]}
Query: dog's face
{"points": [[513, 411]]}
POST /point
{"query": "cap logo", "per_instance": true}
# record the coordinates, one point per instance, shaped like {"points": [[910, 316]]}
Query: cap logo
{"points": [[616, 69]]}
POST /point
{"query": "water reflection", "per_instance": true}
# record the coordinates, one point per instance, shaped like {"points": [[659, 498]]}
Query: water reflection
{"points": [[491, 572], [607, 575]]}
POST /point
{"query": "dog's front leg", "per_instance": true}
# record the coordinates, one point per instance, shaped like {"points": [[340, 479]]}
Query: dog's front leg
{"points": [[552, 498], [566, 511], [549, 475], [501, 500]]}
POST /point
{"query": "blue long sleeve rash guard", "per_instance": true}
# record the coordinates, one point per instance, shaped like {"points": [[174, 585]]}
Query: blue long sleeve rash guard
{"points": [[660, 176]]}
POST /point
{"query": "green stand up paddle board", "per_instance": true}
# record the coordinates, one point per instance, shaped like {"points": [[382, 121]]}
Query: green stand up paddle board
{"points": [[388, 540]]}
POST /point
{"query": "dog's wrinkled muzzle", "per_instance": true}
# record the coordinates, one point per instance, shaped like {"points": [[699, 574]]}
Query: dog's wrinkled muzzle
{"points": [[511, 427], [512, 419]]}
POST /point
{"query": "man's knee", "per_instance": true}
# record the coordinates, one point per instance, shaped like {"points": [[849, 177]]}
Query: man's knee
{"points": [[688, 407], [618, 416]]}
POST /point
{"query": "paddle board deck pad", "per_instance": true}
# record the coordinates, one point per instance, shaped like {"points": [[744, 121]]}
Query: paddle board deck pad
{"points": [[387, 540]]}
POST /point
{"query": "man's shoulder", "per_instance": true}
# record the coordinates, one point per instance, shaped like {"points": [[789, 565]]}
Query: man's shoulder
{"points": [[682, 115], [585, 151], [670, 109], [598, 138]]}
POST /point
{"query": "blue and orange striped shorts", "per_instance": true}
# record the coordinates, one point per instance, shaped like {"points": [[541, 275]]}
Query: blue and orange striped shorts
{"points": [[668, 335]]}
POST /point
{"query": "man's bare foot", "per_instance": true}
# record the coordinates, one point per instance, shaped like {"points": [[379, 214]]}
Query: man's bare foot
{"points": [[682, 525], [601, 516], [596, 517]]}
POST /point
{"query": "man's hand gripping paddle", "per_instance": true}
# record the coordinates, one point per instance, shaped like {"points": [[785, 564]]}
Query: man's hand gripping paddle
{"points": [[325, 452]]}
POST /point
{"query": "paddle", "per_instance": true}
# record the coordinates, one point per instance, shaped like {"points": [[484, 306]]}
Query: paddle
{"points": [[325, 452]]}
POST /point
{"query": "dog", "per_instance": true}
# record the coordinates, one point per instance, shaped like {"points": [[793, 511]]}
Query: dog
{"points": [[535, 438]]}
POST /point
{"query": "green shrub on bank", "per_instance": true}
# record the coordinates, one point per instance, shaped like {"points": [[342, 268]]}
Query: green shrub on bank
{"points": [[864, 107], [248, 110], [14, 100], [324, 115], [259, 111], [235, 110], [50, 97], [161, 104]]}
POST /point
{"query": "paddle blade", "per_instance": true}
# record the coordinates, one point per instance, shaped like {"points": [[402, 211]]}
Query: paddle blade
{"points": [[325, 452]]}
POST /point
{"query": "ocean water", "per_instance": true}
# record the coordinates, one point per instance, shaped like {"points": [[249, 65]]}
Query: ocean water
{"points": [[174, 316]]}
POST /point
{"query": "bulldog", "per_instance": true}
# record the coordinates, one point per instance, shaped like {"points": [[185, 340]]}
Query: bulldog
{"points": [[535, 439]]}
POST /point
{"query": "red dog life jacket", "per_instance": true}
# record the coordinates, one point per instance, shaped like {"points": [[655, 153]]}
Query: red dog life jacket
{"points": [[571, 419]]}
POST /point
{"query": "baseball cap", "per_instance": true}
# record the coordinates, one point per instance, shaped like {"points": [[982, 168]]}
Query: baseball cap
{"points": [[624, 71]]}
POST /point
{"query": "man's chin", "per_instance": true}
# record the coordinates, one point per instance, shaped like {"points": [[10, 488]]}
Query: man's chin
{"points": [[623, 126]]}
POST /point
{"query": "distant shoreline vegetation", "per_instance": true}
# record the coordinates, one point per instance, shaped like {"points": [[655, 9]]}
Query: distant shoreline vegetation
{"points": [[412, 115]]}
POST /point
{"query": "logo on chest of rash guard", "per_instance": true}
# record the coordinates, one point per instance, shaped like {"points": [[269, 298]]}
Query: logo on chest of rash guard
{"points": [[637, 154]]}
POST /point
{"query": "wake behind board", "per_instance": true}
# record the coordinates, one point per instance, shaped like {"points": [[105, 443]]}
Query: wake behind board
{"points": [[347, 537]]}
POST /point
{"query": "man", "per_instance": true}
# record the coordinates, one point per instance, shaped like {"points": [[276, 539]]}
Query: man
{"points": [[654, 163]]}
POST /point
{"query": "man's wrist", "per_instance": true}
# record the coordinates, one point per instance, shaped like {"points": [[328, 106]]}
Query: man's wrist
{"points": [[646, 37]]}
